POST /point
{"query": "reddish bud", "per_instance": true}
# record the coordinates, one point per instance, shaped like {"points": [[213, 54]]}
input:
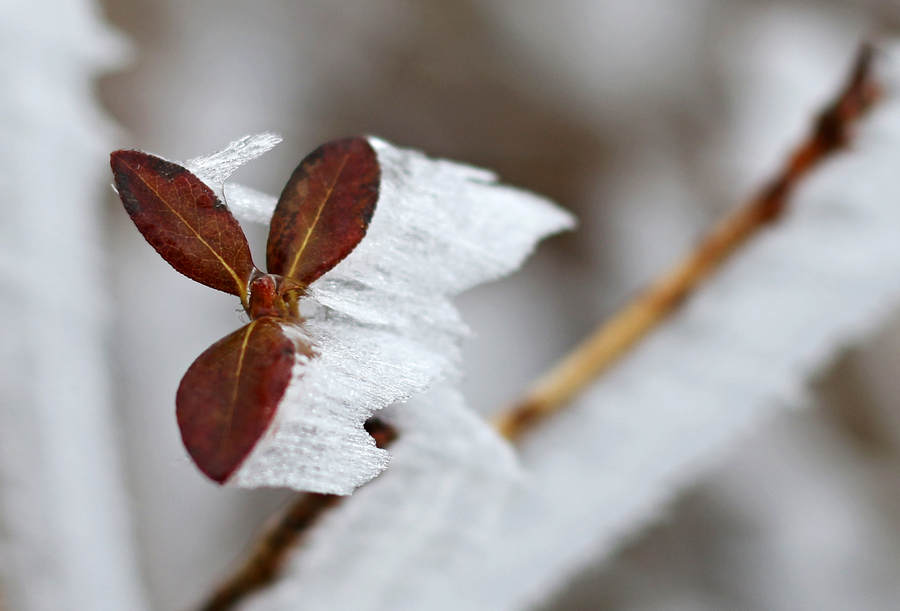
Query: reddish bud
{"points": [[272, 295]]}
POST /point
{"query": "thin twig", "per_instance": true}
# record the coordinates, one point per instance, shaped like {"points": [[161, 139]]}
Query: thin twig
{"points": [[611, 340]]}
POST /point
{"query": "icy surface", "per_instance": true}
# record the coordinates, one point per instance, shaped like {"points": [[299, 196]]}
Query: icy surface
{"points": [[740, 350], [381, 321]]}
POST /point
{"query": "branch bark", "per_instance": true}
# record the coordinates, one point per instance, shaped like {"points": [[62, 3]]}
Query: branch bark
{"points": [[831, 131]]}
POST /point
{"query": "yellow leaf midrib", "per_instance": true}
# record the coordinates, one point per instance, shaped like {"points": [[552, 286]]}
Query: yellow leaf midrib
{"points": [[242, 287], [237, 376], [290, 273]]}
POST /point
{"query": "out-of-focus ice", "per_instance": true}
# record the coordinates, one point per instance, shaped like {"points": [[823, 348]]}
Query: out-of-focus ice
{"points": [[65, 533], [381, 321], [743, 348]]}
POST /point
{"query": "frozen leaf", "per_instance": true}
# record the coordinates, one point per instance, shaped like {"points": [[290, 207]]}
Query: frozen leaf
{"points": [[184, 221], [324, 210], [228, 396]]}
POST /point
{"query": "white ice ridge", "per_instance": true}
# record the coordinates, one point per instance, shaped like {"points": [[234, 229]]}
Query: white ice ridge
{"points": [[381, 321], [740, 350]]}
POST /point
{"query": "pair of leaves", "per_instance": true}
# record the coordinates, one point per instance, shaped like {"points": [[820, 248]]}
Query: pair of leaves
{"points": [[229, 395]]}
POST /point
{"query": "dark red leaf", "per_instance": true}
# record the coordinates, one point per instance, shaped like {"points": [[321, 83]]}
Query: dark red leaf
{"points": [[324, 210], [228, 396], [184, 221]]}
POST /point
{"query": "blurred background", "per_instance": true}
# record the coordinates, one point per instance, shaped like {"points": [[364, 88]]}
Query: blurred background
{"points": [[648, 120]]}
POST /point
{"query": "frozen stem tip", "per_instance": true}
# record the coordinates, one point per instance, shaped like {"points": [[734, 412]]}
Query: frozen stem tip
{"points": [[375, 240], [228, 397]]}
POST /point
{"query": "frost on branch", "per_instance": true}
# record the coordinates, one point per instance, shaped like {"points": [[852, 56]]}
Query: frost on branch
{"points": [[381, 322]]}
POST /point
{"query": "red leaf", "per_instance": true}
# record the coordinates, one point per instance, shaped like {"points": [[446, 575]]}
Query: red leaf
{"points": [[324, 210], [184, 221], [228, 396]]}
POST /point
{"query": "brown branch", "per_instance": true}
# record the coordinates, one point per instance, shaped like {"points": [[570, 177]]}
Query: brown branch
{"points": [[610, 341]]}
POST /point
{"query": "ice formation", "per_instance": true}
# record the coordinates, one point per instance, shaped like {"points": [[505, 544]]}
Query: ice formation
{"points": [[381, 321]]}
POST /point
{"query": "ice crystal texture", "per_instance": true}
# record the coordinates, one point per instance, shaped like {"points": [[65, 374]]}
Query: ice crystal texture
{"points": [[65, 537], [215, 169]]}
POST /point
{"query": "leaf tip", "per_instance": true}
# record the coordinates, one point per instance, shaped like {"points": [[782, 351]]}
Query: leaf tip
{"points": [[120, 162]]}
